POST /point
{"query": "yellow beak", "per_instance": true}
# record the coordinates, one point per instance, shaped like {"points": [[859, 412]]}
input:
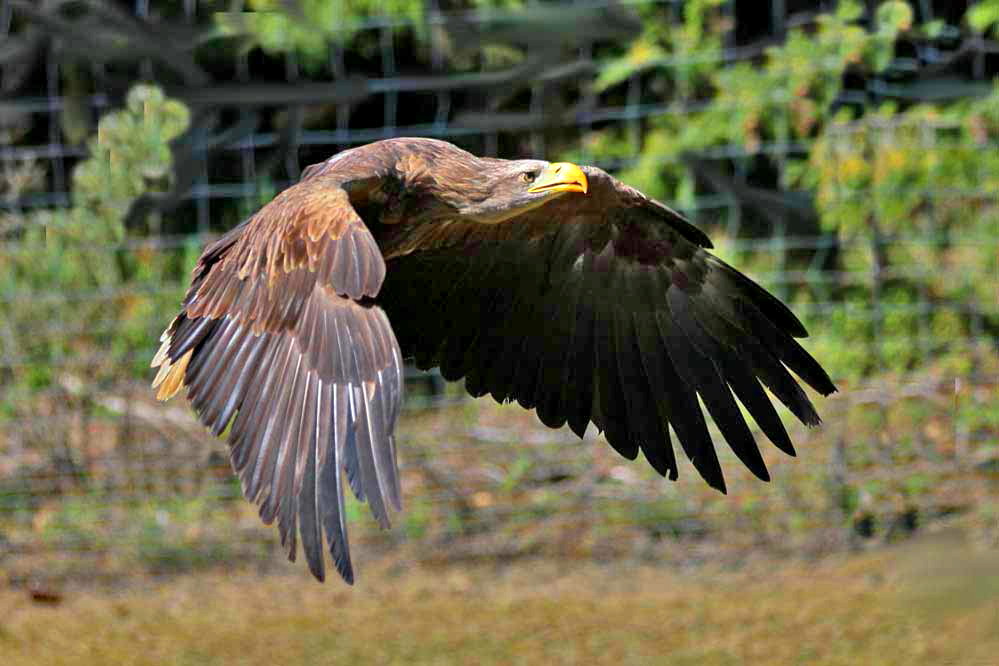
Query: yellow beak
{"points": [[560, 177]]}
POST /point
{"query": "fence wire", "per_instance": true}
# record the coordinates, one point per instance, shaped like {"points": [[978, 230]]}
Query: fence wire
{"points": [[97, 479]]}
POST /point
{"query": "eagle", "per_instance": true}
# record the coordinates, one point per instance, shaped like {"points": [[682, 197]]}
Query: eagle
{"points": [[551, 284]]}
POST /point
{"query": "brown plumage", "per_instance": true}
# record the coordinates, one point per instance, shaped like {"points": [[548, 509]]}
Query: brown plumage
{"points": [[555, 286]]}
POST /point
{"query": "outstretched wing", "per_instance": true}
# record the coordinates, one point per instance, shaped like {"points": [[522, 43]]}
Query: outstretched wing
{"points": [[604, 307], [275, 341]]}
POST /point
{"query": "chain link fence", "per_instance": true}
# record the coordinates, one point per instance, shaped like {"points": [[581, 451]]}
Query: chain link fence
{"points": [[97, 480]]}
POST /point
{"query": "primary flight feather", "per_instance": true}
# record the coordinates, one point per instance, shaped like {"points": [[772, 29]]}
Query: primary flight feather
{"points": [[546, 283]]}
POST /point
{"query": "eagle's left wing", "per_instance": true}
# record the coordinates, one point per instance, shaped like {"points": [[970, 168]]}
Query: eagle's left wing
{"points": [[604, 307]]}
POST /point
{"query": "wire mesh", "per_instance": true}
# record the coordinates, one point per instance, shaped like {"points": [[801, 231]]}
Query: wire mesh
{"points": [[96, 477]]}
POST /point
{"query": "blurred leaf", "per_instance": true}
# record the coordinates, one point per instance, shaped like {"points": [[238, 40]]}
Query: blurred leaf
{"points": [[984, 14], [894, 16], [934, 29], [109, 296], [640, 55], [849, 10]]}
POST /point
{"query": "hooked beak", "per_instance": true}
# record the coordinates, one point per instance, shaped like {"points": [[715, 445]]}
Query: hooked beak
{"points": [[560, 177]]}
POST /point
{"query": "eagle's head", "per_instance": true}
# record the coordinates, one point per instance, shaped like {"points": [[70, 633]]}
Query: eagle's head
{"points": [[502, 189]]}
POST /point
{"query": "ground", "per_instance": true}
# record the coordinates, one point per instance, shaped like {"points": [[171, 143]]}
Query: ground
{"points": [[931, 600]]}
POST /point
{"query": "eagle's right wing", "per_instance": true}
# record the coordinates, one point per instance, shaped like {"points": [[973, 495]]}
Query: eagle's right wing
{"points": [[275, 341]]}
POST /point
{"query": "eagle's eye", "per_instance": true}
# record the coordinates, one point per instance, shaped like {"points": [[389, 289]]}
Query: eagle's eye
{"points": [[529, 176]]}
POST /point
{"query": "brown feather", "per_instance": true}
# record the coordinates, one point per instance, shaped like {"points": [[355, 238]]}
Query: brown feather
{"points": [[170, 378], [602, 308]]}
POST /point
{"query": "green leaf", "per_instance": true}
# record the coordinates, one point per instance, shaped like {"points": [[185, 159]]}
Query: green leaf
{"points": [[894, 16], [849, 10], [933, 29], [642, 54], [984, 14]]}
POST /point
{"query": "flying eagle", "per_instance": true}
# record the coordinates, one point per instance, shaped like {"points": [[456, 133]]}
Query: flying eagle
{"points": [[550, 284]]}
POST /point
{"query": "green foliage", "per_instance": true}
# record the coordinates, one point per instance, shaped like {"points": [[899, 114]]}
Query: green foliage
{"points": [[910, 192], [983, 16], [307, 28], [692, 47], [79, 305]]}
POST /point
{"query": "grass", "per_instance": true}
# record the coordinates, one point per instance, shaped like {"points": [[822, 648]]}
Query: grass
{"points": [[934, 601]]}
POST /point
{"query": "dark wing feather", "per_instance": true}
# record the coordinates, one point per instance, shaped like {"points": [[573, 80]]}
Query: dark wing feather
{"points": [[604, 308], [279, 342]]}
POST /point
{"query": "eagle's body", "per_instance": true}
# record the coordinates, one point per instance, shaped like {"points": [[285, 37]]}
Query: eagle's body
{"points": [[555, 286]]}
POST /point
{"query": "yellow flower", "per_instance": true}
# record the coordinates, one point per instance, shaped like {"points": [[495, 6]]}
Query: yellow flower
{"points": [[852, 167]]}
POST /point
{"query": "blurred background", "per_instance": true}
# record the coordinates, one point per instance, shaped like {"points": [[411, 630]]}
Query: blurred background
{"points": [[844, 154]]}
